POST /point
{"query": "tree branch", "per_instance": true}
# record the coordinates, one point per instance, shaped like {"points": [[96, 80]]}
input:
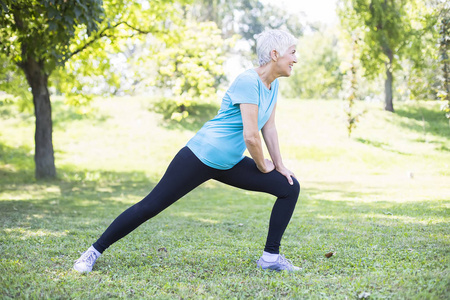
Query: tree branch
{"points": [[141, 31], [103, 33], [96, 37]]}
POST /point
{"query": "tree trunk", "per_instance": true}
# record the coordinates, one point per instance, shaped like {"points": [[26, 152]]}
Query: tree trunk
{"points": [[43, 157], [389, 105]]}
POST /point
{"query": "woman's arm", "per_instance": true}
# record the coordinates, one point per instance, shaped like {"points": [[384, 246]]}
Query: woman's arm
{"points": [[270, 136], [252, 138]]}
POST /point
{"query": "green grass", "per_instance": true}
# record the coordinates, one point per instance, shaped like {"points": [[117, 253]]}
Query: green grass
{"points": [[390, 232]]}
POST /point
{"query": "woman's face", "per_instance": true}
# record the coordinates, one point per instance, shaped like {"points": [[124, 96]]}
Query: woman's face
{"points": [[286, 62]]}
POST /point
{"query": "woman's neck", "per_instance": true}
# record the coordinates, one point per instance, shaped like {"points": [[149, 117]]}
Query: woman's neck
{"points": [[266, 74]]}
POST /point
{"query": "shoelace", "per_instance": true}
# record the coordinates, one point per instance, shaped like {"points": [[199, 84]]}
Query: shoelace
{"points": [[88, 257], [286, 262]]}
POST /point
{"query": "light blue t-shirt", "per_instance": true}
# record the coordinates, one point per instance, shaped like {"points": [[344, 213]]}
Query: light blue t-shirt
{"points": [[220, 142]]}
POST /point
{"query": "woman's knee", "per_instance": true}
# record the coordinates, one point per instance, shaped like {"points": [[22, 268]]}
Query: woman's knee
{"points": [[290, 191], [152, 205], [295, 188]]}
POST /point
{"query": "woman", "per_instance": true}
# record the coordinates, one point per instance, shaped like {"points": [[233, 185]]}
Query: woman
{"points": [[216, 152]]}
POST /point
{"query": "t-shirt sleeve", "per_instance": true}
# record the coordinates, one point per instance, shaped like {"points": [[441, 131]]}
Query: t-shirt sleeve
{"points": [[244, 90]]}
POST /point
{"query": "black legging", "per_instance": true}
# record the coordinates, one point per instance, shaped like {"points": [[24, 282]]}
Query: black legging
{"points": [[186, 172]]}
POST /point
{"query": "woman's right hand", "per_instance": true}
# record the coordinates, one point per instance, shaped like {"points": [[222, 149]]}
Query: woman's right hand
{"points": [[269, 166]]}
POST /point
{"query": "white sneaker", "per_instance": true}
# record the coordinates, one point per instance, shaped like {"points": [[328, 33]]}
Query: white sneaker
{"points": [[87, 260], [280, 264]]}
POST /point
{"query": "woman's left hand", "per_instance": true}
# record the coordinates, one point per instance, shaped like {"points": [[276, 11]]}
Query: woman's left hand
{"points": [[286, 173]]}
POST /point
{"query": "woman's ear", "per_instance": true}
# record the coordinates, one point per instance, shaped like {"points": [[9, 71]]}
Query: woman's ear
{"points": [[274, 55]]}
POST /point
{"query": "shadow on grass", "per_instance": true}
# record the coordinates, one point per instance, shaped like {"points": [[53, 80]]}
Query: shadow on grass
{"points": [[380, 145], [80, 190], [78, 187], [78, 201], [16, 164], [431, 121]]}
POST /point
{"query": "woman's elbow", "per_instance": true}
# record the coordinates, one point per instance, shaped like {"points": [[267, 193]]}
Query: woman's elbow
{"points": [[251, 138]]}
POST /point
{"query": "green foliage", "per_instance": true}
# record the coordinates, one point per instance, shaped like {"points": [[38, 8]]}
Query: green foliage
{"points": [[76, 40], [385, 23], [392, 32], [418, 65], [444, 47], [413, 83], [92, 70], [15, 85], [350, 88], [175, 114], [43, 29], [317, 74], [387, 28], [192, 67]]}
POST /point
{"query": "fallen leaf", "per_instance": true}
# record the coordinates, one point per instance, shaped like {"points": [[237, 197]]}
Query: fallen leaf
{"points": [[329, 254]]}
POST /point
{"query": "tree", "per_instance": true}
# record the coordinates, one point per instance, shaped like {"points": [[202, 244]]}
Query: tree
{"points": [[444, 46], [392, 30], [192, 68], [35, 35], [42, 37]]}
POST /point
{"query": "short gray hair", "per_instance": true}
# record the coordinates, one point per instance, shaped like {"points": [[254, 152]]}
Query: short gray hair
{"points": [[273, 39]]}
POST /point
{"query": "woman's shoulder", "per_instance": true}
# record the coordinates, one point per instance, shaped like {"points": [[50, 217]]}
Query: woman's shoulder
{"points": [[243, 81], [247, 76]]}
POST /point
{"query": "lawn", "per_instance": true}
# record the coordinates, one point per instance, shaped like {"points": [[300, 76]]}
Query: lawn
{"points": [[380, 201]]}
